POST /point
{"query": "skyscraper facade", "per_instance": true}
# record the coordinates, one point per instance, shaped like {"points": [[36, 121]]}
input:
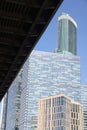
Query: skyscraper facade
{"points": [[44, 74], [84, 102], [3, 112], [67, 28], [59, 113], [11, 106]]}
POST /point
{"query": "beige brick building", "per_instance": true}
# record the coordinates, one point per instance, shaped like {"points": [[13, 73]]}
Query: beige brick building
{"points": [[60, 113]]}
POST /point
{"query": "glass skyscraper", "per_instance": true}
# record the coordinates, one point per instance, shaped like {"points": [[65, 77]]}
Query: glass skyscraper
{"points": [[84, 102], [3, 113], [45, 74], [67, 28], [11, 106]]}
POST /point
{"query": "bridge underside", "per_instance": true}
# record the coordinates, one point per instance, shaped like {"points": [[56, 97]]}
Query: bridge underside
{"points": [[22, 22]]}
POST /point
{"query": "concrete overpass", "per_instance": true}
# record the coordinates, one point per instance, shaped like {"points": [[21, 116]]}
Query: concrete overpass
{"points": [[22, 22]]}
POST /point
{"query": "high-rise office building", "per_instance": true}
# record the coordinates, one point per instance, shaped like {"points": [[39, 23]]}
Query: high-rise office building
{"points": [[59, 113], [84, 102], [30, 96], [67, 28], [3, 113], [11, 106], [46, 74]]}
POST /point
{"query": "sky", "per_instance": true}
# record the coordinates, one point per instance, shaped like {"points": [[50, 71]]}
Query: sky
{"points": [[77, 9]]}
